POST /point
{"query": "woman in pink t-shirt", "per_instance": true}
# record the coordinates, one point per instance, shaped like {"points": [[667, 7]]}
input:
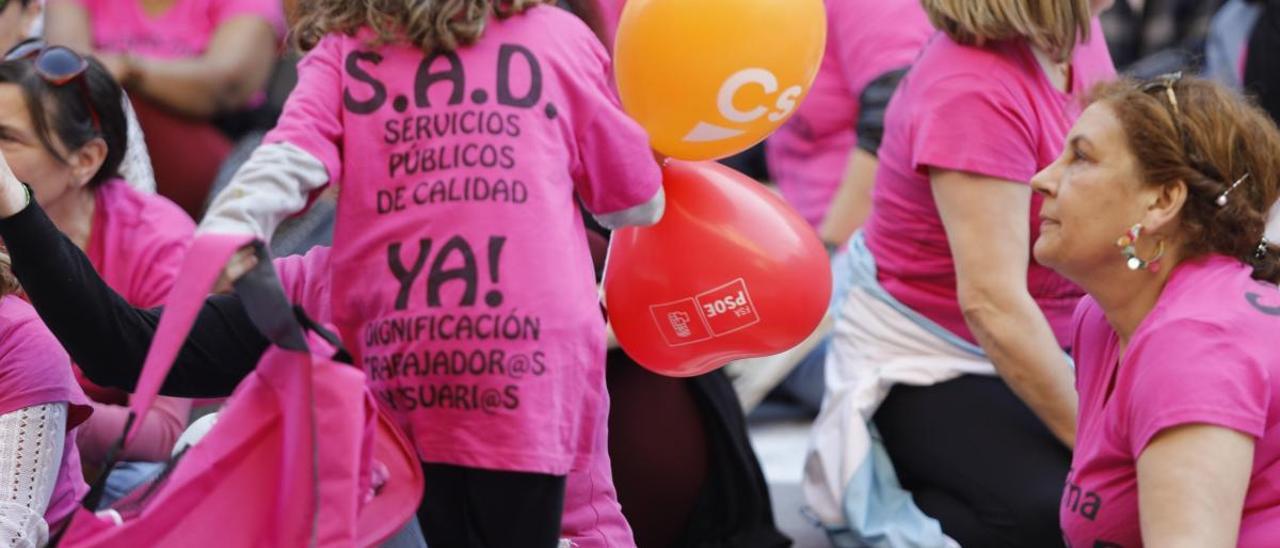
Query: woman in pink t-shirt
{"points": [[185, 63], [1157, 209], [40, 409], [835, 133], [952, 340], [67, 141], [462, 279]]}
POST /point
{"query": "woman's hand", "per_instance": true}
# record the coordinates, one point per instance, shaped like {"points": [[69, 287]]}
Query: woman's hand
{"points": [[239, 265], [13, 196]]}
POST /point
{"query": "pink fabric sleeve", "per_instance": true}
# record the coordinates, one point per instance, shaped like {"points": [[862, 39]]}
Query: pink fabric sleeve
{"points": [[312, 116], [968, 122], [160, 430], [271, 10], [614, 169], [1192, 372], [306, 281], [34, 369]]}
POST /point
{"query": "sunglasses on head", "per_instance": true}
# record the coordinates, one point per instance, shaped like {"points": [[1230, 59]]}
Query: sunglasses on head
{"points": [[1165, 85], [58, 66]]}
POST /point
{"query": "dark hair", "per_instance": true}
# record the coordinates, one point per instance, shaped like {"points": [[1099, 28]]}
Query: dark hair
{"points": [[61, 110], [1217, 138]]}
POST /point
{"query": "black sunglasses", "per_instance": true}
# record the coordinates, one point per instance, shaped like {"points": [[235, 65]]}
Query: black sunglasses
{"points": [[58, 66]]}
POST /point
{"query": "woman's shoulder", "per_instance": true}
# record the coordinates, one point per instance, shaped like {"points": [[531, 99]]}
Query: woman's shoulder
{"points": [[1219, 291], [944, 59], [19, 319], [129, 207], [24, 339], [1212, 309], [34, 369]]}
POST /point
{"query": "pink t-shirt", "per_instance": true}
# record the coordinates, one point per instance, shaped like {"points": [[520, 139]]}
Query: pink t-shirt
{"points": [[184, 30], [989, 111], [592, 515], [865, 40], [35, 370], [138, 242], [1205, 354], [463, 281]]}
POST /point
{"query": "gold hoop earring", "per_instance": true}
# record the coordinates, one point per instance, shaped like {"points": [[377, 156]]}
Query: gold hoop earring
{"points": [[1128, 245]]}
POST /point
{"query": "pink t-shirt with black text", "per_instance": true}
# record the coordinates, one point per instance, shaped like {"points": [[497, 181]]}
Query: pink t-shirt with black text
{"points": [[35, 370], [989, 111], [592, 515], [184, 30], [865, 40], [1206, 354], [462, 279]]}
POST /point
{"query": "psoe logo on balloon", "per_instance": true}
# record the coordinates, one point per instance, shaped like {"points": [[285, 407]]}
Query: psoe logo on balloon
{"points": [[715, 313], [784, 104]]}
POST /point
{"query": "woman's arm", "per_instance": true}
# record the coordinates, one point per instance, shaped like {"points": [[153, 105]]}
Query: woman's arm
{"points": [[105, 336], [154, 442], [66, 22], [1192, 482], [31, 447], [987, 228], [235, 66], [852, 203]]}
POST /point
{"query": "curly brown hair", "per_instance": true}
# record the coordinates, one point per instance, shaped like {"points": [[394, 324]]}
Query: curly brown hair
{"points": [[1210, 139], [432, 25]]}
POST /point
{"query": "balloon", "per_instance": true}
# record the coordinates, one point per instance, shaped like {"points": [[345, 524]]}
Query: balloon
{"points": [[730, 272], [711, 78]]}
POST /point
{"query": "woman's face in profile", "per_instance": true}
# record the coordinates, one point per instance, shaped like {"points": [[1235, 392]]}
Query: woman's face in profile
{"points": [[1092, 195], [31, 162]]}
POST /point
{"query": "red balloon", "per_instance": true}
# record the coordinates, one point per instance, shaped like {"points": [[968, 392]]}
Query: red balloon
{"points": [[730, 272]]}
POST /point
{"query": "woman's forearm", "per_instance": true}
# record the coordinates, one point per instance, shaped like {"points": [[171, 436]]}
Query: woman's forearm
{"points": [[154, 442], [1020, 343], [235, 68], [66, 23], [852, 202]]}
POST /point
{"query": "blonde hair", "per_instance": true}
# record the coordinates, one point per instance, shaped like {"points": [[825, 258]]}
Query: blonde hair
{"points": [[1053, 26], [431, 25], [8, 281]]}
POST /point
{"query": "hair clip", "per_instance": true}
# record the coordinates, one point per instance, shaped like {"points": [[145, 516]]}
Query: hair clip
{"points": [[1261, 252], [1222, 198]]}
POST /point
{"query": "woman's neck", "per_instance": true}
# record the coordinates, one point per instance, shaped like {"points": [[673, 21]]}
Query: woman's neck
{"points": [[1059, 74], [73, 215], [156, 8], [1127, 297]]}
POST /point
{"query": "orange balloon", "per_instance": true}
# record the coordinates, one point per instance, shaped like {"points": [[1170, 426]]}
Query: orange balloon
{"points": [[711, 78], [730, 272]]}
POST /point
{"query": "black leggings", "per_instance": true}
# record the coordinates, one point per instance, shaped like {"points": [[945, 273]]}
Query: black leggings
{"points": [[976, 459], [473, 508]]}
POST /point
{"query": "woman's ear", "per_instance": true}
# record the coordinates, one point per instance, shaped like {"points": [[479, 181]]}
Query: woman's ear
{"points": [[87, 160], [1166, 202]]}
